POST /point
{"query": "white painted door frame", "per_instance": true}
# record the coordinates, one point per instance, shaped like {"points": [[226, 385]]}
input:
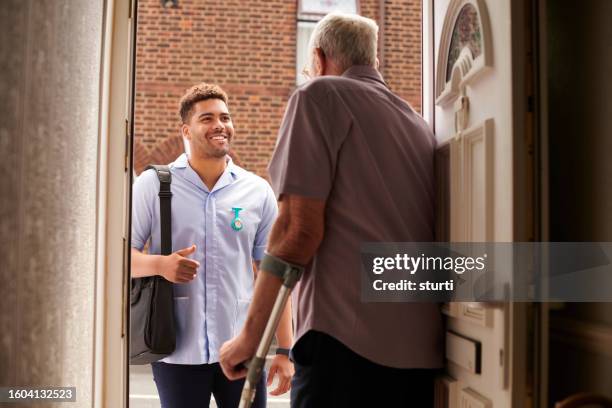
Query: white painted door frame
{"points": [[110, 350]]}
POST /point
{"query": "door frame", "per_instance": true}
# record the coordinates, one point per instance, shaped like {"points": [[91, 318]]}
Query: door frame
{"points": [[524, 196], [110, 371], [541, 196]]}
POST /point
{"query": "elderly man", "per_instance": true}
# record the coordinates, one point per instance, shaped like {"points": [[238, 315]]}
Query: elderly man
{"points": [[221, 217], [353, 164]]}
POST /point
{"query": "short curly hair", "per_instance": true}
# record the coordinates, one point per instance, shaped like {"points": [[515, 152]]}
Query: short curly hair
{"points": [[197, 93]]}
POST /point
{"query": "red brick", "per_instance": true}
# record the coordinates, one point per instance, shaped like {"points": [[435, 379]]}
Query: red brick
{"points": [[248, 48]]}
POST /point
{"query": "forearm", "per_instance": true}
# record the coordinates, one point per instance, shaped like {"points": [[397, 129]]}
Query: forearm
{"points": [[298, 231], [264, 296], [295, 237], [144, 264], [284, 332]]}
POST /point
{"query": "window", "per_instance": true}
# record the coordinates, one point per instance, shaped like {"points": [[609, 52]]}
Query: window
{"points": [[316, 9], [304, 30]]}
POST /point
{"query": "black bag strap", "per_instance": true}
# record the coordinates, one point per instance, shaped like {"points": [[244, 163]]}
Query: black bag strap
{"points": [[165, 206]]}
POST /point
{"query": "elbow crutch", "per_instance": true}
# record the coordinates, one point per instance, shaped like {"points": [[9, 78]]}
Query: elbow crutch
{"points": [[290, 274]]}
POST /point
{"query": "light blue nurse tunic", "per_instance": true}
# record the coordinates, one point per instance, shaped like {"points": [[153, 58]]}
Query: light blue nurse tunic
{"points": [[212, 308]]}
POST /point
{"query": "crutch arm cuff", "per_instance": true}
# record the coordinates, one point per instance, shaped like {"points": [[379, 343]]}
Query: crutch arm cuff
{"points": [[288, 272]]}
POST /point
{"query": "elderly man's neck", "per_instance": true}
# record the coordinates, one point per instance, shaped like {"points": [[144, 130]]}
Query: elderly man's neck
{"points": [[331, 68], [208, 168]]}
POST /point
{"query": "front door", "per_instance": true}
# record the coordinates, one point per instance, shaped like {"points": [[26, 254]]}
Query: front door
{"points": [[472, 110]]}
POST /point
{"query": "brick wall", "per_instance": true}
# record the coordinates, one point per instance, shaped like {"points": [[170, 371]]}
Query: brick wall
{"points": [[248, 48], [401, 50]]}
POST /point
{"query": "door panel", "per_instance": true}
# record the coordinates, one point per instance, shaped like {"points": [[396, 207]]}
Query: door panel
{"points": [[469, 398], [473, 120], [477, 161]]}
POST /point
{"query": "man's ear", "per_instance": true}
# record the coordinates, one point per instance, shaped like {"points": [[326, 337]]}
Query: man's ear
{"points": [[320, 61], [377, 63], [185, 131]]}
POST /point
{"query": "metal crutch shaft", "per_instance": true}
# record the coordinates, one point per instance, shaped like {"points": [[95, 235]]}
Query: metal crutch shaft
{"points": [[256, 365]]}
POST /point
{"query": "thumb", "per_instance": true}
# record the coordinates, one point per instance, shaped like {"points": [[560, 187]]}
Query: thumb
{"points": [[186, 251]]}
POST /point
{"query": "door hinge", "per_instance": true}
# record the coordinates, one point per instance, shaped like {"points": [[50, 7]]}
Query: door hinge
{"points": [[126, 158]]}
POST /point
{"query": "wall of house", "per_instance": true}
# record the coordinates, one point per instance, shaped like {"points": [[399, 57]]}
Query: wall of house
{"points": [[580, 124], [248, 48], [580, 120], [50, 55]]}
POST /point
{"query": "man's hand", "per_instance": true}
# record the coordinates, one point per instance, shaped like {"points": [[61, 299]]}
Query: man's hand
{"points": [[177, 268], [233, 353], [282, 366]]}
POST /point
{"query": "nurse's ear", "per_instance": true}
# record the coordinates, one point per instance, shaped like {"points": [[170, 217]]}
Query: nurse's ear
{"points": [[186, 131]]}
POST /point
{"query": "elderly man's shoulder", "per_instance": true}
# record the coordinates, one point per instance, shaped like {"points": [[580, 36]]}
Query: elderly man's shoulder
{"points": [[323, 84]]}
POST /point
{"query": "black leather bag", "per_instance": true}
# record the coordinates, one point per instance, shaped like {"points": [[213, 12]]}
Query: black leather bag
{"points": [[152, 330]]}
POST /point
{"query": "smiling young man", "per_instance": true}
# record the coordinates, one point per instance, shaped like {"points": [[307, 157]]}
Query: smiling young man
{"points": [[221, 217]]}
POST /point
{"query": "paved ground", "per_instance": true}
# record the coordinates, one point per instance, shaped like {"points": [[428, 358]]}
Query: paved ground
{"points": [[143, 393]]}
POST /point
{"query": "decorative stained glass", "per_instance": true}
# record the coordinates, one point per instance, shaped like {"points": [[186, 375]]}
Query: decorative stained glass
{"points": [[466, 33]]}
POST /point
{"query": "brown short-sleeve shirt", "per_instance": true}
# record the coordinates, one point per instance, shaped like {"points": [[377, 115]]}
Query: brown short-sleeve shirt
{"points": [[350, 141]]}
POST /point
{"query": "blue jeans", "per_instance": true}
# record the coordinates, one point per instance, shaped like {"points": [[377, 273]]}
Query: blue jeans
{"points": [[190, 386]]}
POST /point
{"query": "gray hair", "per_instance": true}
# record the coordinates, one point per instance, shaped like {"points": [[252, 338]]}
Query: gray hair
{"points": [[348, 39]]}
